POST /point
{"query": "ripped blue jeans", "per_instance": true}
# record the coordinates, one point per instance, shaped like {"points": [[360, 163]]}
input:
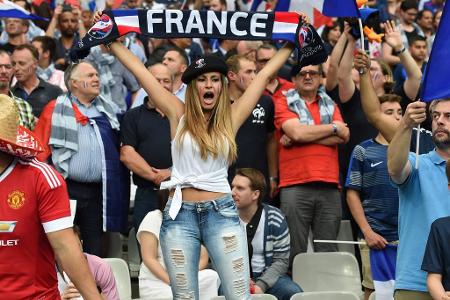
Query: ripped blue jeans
{"points": [[215, 224]]}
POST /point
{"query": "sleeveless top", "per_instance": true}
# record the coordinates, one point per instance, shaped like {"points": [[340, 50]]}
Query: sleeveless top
{"points": [[190, 170]]}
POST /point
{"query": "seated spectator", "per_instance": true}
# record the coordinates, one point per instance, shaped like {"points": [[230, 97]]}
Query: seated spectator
{"points": [[268, 237], [436, 260], [46, 47], [154, 280], [100, 269]]}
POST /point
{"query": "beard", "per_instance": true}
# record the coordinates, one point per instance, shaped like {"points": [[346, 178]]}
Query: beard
{"points": [[442, 143]]}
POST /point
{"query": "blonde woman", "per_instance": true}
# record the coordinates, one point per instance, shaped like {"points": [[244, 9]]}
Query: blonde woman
{"points": [[200, 209]]}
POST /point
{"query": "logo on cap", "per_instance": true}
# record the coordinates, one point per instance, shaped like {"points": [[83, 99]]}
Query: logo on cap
{"points": [[200, 63], [102, 28], [16, 199]]}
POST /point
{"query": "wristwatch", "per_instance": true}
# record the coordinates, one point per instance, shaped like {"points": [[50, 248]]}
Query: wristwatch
{"points": [[335, 128]]}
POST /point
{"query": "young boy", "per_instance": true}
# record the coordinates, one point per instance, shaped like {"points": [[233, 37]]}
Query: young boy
{"points": [[436, 260]]}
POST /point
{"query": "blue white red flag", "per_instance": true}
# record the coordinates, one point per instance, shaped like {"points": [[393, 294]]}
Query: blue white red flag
{"points": [[11, 10], [434, 84], [314, 9], [382, 264]]}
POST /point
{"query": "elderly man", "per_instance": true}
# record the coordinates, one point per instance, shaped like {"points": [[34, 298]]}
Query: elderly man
{"points": [[423, 193], [147, 155], [80, 131], [29, 86], [313, 129], [26, 117], [36, 223]]}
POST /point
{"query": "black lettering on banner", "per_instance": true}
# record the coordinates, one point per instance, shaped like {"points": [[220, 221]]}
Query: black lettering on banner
{"points": [[207, 23]]}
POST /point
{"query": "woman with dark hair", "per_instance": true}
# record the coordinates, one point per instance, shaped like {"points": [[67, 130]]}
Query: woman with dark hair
{"points": [[330, 35], [200, 209]]}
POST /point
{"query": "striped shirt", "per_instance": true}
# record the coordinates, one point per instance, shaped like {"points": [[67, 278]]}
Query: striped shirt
{"points": [[368, 174], [86, 164]]}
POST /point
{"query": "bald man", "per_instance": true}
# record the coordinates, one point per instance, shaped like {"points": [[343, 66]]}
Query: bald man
{"points": [[163, 74], [145, 136]]}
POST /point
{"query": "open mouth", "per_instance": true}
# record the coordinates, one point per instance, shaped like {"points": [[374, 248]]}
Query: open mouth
{"points": [[208, 97]]}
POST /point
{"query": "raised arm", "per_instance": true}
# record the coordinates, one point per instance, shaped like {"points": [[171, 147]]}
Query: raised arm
{"points": [[346, 84], [399, 166], [414, 74], [369, 99], [169, 104], [335, 58], [243, 106], [54, 21]]}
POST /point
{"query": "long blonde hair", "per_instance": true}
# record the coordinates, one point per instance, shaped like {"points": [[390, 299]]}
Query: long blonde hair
{"points": [[215, 136]]}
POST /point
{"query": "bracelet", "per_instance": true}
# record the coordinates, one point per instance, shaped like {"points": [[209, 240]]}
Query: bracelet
{"points": [[399, 52], [335, 128]]}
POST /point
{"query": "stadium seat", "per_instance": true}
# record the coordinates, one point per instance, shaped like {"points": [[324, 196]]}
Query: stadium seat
{"points": [[115, 244], [325, 296], [122, 276], [255, 297], [345, 234], [327, 271]]}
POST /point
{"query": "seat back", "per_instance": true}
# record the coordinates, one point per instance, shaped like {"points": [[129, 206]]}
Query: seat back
{"points": [[327, 271], [325, 296], [254, 297], [122, 276]]}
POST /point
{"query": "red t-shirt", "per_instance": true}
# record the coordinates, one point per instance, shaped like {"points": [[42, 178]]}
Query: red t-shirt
{"points": [[33, 202], [302, 163]]}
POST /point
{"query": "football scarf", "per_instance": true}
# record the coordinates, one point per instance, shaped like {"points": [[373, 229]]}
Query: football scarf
{"points": [[231, 25]]}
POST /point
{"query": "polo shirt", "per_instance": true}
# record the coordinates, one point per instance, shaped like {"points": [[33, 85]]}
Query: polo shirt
{"points": [[303, 163], [437, 253], [424, 197], [148, 133], [39, 97]]}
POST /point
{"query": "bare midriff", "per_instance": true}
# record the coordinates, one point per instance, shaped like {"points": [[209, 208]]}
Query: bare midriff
{"points": [[196, 195]]}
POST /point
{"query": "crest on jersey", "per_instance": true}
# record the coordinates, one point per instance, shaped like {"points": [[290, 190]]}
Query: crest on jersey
{"points": [[16, 199]]}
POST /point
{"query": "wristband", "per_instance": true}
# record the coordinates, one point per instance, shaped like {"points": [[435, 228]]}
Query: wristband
{"points": [[397, 53]]}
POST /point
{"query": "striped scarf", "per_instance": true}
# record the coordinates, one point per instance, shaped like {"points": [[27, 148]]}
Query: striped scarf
{"points": [[298, 105], [64, 131]]}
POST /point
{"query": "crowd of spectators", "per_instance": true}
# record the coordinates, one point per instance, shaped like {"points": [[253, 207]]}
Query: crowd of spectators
{"points": [[325, 138]]}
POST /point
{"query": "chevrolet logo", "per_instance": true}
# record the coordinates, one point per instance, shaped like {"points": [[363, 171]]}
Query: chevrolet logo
{"points": [[7, 226]]}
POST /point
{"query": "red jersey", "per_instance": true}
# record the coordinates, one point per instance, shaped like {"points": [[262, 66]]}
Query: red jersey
{"points": [[33, 202]]}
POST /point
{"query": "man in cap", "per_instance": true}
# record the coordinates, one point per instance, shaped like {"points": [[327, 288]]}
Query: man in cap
{"points": [[35, 223]]}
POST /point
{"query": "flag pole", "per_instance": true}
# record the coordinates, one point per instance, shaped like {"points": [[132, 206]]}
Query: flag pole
{"points": [[361, 32], [340, 242], [417, 146]]}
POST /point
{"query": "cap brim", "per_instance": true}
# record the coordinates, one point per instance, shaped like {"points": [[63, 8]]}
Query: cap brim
{"points": [[26, 145]]}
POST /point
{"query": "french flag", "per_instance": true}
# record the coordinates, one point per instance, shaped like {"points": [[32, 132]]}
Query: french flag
{"points": [[317, 11], [284, 25], [382, 264], [12, 10], [127, 21]]}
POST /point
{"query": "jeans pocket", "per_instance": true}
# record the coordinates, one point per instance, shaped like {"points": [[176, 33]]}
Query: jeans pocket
{"points": [[228, 210]]}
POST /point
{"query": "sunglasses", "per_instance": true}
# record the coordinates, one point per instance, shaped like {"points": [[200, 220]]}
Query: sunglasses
{"points": [[310, 73]]}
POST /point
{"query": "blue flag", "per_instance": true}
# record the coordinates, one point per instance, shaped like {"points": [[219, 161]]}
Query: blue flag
{"points": [[329, 8], [435, 84]]}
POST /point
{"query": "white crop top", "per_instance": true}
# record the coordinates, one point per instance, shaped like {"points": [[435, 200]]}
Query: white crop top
{"points": [[190, 170]]}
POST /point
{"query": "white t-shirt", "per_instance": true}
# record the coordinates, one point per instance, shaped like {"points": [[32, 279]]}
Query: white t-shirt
{"points": [[151, 223], [258, 260]]}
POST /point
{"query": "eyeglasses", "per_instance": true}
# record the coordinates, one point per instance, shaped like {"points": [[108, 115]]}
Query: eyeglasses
{"points": [[310, 73]]}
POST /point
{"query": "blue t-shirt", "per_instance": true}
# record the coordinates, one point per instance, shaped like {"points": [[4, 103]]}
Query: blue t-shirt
{"points": [[368, 174], [437, 253], [424, 197]]}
